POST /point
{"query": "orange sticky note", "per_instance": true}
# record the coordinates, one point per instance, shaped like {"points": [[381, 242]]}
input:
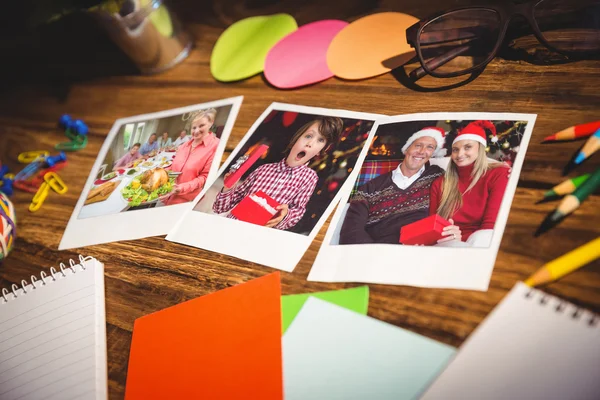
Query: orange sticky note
{"points": [[371, 46], [225, 345]]}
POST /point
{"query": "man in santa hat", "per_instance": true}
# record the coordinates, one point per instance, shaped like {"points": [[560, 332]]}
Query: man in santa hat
{"points": [[385, 204]]}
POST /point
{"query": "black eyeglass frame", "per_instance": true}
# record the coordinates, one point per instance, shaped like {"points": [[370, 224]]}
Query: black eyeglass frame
{"points": [[506, 11]]}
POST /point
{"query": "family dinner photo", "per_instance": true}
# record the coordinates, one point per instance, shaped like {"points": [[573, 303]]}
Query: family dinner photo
{"points": [[287, 173], [157, 162], [432, 183]]}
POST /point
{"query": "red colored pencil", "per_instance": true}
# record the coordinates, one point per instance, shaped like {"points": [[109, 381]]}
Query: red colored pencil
{"points": [[574, 132]]}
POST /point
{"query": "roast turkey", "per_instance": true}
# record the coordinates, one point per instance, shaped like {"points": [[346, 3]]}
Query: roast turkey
{"points": [[153, 179]]}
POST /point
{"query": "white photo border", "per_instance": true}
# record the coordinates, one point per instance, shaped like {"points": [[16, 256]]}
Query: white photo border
{"points": [[270, 247], [137, 225], [433, 267]]}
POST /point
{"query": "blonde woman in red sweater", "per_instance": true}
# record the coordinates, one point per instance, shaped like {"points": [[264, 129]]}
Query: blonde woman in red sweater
{"points": [[471, 190]]}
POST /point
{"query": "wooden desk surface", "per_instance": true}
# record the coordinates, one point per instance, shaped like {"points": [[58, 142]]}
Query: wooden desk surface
{"points": [[146, 275]]}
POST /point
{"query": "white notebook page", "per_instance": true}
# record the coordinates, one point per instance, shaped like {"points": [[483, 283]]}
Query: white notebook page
{"points": [[53, 337], [530, 347]]}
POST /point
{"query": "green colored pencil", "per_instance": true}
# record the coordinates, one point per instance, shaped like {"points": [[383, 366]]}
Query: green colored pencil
{"points": [[566, 187], [571, 202]]}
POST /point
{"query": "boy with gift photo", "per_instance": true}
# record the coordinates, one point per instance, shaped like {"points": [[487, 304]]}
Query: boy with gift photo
{"points": [[279, 185], [289, 182]]}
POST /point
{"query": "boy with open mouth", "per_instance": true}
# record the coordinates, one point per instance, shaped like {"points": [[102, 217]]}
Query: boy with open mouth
{"points": [[290, 181]]}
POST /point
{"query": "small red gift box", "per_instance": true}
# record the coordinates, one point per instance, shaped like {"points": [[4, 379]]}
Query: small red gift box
{"points": [[251, 210], [426, 231]]}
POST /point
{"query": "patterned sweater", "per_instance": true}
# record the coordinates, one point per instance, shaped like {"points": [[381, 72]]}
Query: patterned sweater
{"points": [[293, 186], [380, 208]]}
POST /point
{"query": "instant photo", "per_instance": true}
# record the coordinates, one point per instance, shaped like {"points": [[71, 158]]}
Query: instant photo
{"points": [[149, 171], [430, 202], [279, 185]]}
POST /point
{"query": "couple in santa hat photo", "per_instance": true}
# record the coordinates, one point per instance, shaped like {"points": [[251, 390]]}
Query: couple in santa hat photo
{"points": [[465, 189]]}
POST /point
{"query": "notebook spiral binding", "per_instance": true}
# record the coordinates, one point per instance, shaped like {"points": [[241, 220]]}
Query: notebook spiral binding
{"points": [[561, 306], [51, 278]]}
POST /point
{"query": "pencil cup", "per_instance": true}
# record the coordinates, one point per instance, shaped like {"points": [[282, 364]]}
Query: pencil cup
{"points": [[148, 32]]}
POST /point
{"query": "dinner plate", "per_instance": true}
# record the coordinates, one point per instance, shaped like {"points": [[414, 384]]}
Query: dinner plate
{"points": [[102, 180], [147, 164], [132, 172]]}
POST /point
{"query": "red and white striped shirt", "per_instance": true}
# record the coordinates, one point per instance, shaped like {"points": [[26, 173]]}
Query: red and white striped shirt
{"points": [[287, 185]]}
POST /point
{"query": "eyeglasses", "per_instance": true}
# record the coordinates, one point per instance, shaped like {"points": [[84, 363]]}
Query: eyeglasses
{"points": [[464, 40]]}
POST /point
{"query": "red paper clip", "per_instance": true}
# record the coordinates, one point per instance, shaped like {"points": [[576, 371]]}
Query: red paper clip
{"points": [[26, 186], [37, 181]]}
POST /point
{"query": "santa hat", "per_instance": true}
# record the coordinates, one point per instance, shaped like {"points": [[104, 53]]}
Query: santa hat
{"points": [[432, 131], [476, 131]]}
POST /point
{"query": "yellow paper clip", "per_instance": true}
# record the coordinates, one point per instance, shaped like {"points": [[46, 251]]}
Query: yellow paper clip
{"points": [[10, 175], [55, 182], [30, 156], [39, 197]]}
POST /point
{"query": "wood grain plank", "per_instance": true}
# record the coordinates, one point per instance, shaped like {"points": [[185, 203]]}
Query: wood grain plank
{"points": [[147, 275]]}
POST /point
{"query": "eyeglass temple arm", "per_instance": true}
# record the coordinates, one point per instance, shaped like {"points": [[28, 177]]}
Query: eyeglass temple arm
{"points": [[448, 35], [437, 62]]}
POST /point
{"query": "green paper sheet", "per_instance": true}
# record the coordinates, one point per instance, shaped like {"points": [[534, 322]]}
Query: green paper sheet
{"points": [[355, 299], [241, 50]]}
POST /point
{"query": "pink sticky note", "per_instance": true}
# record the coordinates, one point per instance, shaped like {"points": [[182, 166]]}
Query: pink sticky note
{"points": [[300, 58]]}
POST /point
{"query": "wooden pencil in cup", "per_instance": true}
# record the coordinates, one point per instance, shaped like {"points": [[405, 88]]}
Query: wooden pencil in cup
{"points": [[590, 147], [566, 263], [571, 202], [574, 132]]}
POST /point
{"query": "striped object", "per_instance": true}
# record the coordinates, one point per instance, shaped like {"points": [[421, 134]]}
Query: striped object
{"points": [[372, 169], [8, 221]]}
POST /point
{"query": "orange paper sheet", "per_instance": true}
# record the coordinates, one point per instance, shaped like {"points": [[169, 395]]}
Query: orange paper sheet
{"points": [[225, 345]]}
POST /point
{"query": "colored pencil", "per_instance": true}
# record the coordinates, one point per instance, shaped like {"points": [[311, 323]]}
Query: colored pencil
{"points": [[590, 147], [571, 202], [574, 132], [566, 263], [566, 187]]}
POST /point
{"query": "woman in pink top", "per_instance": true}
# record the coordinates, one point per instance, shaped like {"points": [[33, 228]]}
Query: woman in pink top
{"points": [[194, 159]]}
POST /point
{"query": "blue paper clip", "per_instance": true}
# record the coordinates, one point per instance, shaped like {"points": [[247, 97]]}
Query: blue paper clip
{"points": [[29, 170], [3, 170], [6, 186]]}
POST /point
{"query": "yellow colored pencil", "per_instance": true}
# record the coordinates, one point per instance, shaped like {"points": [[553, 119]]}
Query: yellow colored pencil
{"points": [[566, 263]]}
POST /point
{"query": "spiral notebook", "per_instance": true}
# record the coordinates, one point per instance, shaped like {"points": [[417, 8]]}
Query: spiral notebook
{"points": [[532, 346], [53, 335]]}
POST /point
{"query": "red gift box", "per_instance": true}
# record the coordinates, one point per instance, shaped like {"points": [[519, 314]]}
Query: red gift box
{"points": [[252, 157], [426, 231], [249, 210]]}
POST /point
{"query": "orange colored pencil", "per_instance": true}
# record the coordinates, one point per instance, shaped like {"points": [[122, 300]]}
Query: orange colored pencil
{"points": [[574, 132]]}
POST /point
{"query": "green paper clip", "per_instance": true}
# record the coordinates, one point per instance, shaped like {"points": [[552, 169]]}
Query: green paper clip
{"points": [[72, 136], [79, 142]]}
